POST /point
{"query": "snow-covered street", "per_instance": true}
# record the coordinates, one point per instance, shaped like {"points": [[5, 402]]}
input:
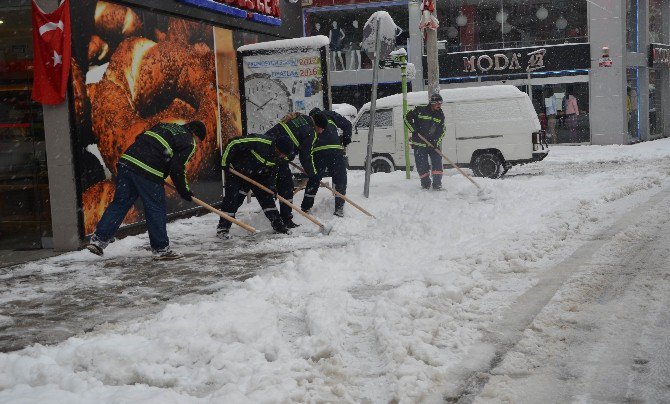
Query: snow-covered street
{"points": [[552, 286]]}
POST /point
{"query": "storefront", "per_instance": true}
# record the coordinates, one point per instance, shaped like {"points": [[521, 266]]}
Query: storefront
{"points": [[134, 63], [25, 215]]}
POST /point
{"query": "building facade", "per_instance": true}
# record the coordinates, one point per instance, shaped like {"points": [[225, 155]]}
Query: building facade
{"points": [[608, 58], [134, 63]]}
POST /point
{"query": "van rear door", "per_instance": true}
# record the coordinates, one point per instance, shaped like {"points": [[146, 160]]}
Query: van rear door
{"points": [[384, 141]]}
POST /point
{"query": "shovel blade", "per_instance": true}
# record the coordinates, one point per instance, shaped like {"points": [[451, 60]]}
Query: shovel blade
{"points": [[326, 229]]}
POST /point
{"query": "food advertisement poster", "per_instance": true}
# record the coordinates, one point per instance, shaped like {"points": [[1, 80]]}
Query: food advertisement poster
{"points": [[133, 68], [279, 81]]}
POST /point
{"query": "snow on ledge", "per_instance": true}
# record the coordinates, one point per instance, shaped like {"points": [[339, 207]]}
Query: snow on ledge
{"points": [[306, 42]]}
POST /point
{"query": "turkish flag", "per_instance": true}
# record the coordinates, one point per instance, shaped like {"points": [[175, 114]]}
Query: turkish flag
{"points": [[52, 42]]}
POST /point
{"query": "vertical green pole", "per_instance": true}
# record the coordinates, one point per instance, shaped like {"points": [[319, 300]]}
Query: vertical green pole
{"points": [[403, 70]]}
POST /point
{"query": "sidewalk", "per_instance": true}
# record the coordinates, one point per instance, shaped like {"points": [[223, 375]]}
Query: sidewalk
{"points": [[15, 257]]}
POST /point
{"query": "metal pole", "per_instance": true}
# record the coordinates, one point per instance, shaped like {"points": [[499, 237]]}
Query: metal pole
{"points": [[403, 70], [373, 104], [431, 59]]}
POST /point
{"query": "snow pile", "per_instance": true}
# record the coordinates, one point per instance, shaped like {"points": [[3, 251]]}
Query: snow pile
{"points": [[387, 32], [346, 110], [386, 309]]}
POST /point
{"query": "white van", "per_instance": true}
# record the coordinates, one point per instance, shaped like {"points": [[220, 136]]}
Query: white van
{"points": [[489, 129]]}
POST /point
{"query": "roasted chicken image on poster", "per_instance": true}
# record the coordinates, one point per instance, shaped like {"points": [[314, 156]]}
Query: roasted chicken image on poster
{"points": [[133, 68]]}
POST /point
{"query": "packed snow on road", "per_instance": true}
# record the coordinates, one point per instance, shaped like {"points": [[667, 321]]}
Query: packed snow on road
{"points": [[445, 295]]}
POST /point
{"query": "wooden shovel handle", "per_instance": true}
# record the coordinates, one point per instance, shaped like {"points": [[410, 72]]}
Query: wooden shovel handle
{"points": [[323, 184], [218, 212], [282, 199]]}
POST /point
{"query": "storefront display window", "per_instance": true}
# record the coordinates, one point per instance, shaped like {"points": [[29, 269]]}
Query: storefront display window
{"points": [[632, 103], [563, 111], [658, 21], [493, 24], [344, 26], [632, 25], [25, 215], [656, 90]]}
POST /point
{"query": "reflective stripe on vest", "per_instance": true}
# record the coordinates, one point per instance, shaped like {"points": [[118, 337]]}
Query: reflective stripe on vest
{"points": [[161, 140], [429, 118], [327, 147], [262, 160], [239, 141], [142, 165], [290, 133], [190, 156]]}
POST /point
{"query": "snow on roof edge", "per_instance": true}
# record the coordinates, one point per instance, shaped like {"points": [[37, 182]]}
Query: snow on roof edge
{"points": [[450, 95], [305, 42]]}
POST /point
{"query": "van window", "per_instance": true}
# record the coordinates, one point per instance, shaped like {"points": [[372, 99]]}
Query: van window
{"points": [[490, 110], [383, 119]]}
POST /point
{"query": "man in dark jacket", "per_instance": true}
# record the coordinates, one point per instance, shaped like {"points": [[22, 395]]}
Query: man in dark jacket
{"points": [[339, 121], [165, 149], [300, 129], [327, 160], [429, 122], [257, 157]]}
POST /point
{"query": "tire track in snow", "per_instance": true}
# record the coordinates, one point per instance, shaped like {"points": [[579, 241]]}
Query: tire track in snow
{"points": [[520, 315]]}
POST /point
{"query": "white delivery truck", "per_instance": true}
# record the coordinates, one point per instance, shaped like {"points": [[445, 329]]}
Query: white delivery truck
{"points": [[488, 129]]}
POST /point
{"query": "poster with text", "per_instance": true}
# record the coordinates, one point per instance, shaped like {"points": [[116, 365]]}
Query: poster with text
{"points": [[277, 82], [134, 68]]}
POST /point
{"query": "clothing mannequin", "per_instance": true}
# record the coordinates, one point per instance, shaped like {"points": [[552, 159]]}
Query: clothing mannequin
{"points": [[336, 37], [317, 29], [355, 47]]}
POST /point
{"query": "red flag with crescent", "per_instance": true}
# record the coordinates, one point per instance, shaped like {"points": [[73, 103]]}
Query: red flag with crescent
{"points": [[52, 42]]}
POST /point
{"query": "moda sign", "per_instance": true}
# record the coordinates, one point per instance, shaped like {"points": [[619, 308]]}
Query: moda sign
{"points": [[515, 61]]}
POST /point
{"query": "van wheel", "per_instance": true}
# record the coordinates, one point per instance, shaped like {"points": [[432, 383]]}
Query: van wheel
{"points": [[382, 164], [487, 165]]}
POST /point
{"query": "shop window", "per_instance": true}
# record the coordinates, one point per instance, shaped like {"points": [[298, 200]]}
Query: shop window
{"points": [[656, 123], [492, 24], [633, 104], [25, 214], [658, 29], [563, 111], [632, 25], [344, 27]]}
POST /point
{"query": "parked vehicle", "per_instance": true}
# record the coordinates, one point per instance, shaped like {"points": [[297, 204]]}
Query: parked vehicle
{"points": [[488, 129]]}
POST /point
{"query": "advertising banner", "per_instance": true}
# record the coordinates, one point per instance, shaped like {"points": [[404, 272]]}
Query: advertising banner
{"points": [[278, 80], [133, 68]]}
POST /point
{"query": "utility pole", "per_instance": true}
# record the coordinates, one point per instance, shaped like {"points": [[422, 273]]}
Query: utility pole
{"points": [[429, 23], [373, 105]]}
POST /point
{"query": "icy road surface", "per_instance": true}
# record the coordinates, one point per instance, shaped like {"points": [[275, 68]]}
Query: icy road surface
{"points": [[554, 287]]}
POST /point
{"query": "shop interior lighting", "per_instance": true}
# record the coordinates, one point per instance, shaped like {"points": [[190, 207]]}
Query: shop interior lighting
{"points": [[461, 20], [561, 22], [501, 17], [452, 32], [542, 13]]}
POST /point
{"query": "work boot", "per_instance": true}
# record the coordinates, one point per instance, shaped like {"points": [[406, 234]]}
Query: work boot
{"points": [[279, 227], [290, 224], [339, 212], [166, 254], [222, 233], [95, 248], [437, 187]]}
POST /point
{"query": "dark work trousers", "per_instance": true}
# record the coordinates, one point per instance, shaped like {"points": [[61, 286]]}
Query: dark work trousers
{"points": [[421, 156], [328, 163], [285, 190], [237, 189], [130, 186]]}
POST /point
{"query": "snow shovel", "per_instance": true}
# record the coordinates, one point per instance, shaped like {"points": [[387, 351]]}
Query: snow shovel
{"points": [[449, 161], [218, 212], [323, 184], [324, 229]]}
